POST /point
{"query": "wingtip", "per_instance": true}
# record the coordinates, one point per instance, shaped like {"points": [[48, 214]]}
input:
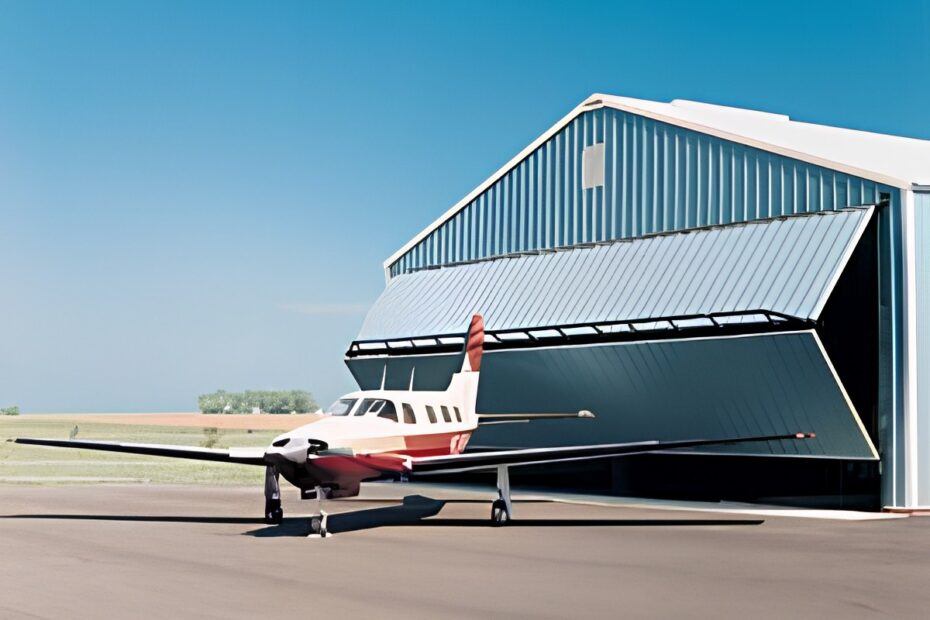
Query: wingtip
{"points": [[584, 413], [805, 435]]}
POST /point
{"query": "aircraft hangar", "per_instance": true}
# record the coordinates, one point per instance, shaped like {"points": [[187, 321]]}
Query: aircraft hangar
{"points": [[687, 270]]}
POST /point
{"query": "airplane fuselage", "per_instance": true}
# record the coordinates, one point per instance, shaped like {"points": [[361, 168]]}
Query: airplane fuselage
{"points": [[364, 434]]}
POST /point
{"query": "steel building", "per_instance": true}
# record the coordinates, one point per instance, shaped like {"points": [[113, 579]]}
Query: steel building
{"points": [[686, 270]]}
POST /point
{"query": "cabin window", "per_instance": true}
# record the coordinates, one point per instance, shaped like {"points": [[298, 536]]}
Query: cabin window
{"points": [[341, 407], [458, 414], [431, 414], [409, 418], [445, 414], [386, 410]]}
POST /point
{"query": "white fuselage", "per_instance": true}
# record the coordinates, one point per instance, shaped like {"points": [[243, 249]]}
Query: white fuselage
{"points": [[389, 423]]}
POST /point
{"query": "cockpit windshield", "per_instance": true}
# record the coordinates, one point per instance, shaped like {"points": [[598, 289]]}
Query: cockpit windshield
{"points": [[377, 407], [341, 407], [369, 404]]}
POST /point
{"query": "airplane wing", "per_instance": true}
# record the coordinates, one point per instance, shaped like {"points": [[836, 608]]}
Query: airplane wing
{"points": [[473, 461], [245, 456]]}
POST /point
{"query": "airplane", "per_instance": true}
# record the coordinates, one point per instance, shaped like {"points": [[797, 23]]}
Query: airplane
{"points": [[378, 434]]}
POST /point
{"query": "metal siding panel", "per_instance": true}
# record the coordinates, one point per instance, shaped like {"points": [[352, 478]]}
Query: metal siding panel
{"points": [[824, 260], [647, 253], [702, 287], [605, 299], [520, 270], [599, 269], [922, 251], [797, 243], [659, 178], [664, 281]]}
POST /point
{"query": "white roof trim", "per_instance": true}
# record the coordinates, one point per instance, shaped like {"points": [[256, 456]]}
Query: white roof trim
{"points": [[597, 101]]}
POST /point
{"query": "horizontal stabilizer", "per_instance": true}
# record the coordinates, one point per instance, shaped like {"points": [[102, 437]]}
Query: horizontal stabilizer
{"points": [[503, 418]]}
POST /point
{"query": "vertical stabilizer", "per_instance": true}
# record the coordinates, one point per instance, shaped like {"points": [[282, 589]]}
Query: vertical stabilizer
{"points": [[474, 345]]}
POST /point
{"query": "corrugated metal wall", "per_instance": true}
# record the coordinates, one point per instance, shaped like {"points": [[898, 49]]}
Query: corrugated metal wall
{"points": [[922, 230], [659, 177], [787, 266]]}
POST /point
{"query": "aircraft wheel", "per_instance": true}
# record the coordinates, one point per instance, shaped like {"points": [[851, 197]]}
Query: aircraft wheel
{"points": [[499, 514], [316, 527], [274, 516]]}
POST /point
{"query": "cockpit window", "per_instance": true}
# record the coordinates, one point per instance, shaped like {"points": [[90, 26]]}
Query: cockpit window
{"points": [[386, 410], [369, 404], [341, 407], [445, 413]]}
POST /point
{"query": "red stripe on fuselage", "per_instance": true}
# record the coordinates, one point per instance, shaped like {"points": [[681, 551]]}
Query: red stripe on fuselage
{"points": [[439, 444], [346, 471]]}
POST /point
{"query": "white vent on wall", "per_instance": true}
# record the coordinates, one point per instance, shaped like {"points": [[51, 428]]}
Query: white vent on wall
{"points": [[592, 166]]}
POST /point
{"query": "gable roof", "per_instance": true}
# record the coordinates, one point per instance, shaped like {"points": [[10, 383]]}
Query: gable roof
{"points": [[890, 160]]}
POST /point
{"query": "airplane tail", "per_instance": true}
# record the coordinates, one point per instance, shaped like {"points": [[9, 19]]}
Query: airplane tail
{"points": [[474, 345]]}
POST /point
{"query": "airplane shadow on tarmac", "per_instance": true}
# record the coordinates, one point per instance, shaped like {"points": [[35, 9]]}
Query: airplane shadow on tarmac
{"points": [[414, 511]]}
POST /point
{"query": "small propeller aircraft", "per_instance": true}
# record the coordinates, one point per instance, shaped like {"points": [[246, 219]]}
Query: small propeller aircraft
{"points": [[382, 433]]}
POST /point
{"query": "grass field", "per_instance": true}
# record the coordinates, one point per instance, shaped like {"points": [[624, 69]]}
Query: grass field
{"points": [[20, 464]]}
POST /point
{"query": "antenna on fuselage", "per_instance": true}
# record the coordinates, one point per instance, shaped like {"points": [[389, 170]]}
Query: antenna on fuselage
{"points": [[412, 373], [384, 376]]}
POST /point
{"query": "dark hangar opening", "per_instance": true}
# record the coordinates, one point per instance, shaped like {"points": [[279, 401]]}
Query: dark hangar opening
{"points": [[849, 330]]}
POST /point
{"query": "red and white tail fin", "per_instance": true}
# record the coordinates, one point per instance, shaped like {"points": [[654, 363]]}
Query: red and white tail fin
{"points": [[474, 345]]}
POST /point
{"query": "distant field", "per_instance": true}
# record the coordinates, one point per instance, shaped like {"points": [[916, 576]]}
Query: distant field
{"points": [[253, 422], [21, 464]]}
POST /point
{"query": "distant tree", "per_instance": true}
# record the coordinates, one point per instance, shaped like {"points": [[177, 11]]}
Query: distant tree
{"points": [[213, 403], [267, 401], [14, 410]]}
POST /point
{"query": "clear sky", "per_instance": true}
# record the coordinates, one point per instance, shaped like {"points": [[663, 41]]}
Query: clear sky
{"points": [[199, 195]]}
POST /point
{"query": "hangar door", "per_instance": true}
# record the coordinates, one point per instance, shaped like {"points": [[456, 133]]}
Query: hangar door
{"points": [[711, 332]]}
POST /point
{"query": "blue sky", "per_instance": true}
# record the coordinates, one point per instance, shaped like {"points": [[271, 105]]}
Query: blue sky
{"points": [[199, 195]]}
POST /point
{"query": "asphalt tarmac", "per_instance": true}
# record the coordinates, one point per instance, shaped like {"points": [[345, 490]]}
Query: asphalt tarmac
{"points": [[147, 551]]}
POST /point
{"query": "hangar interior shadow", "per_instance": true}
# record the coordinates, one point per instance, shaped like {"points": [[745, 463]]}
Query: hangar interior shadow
{"points": [[804, 483]]}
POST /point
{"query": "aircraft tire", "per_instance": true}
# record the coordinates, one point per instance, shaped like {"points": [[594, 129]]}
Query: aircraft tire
{"points": [[499, 514], [316, 527], [274, 516]]}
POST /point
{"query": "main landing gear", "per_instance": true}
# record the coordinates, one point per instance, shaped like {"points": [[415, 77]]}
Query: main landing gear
{"points": [[274, 514], [502, 508], [318, 521]]}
